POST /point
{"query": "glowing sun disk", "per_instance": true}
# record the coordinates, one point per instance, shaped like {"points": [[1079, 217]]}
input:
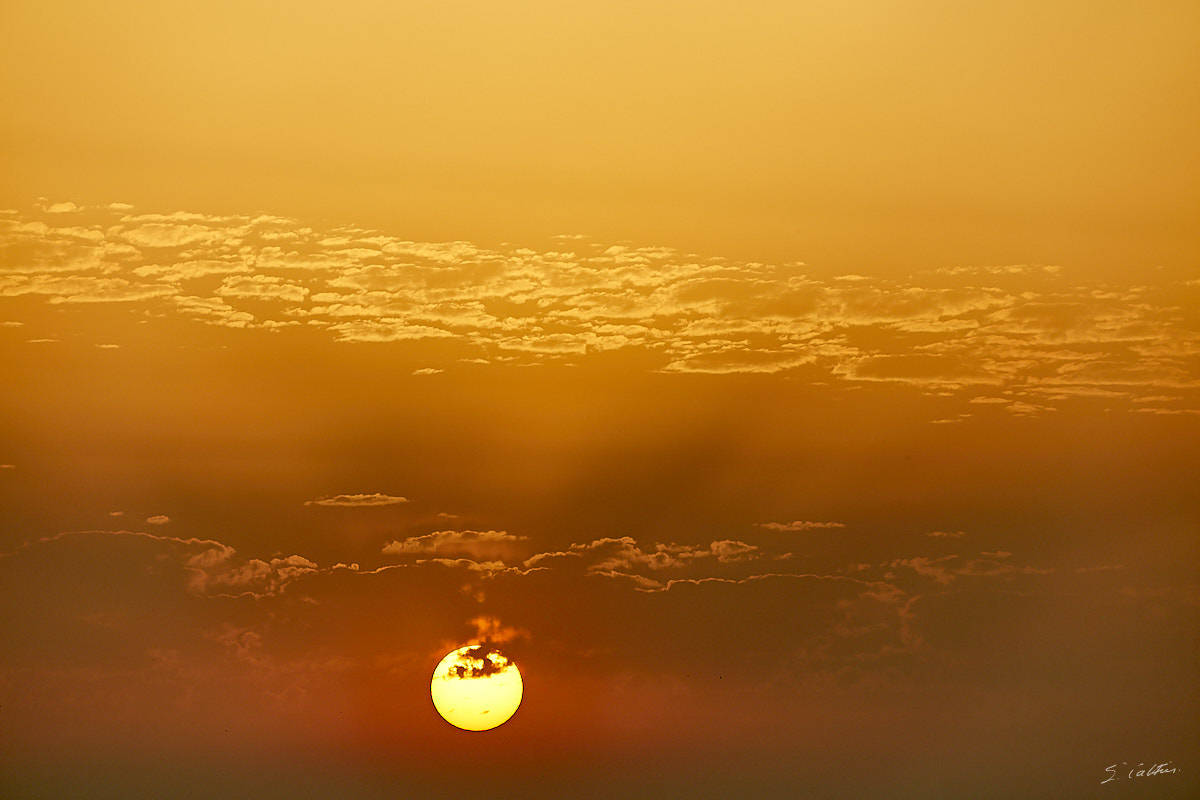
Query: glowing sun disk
{"points": [[476, 688]]}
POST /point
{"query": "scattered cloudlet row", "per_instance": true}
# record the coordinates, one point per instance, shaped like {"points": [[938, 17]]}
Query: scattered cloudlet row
{"points": [[876, 609], [1020, 337]]}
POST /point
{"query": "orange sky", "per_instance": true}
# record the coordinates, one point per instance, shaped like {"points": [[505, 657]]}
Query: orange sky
{"points": [[807, 393]]}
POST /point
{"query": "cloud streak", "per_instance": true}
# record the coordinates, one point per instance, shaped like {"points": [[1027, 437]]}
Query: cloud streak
{"points": [[357, 500], [799, 525]]}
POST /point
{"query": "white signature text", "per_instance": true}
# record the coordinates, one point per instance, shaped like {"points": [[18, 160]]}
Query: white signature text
{"points": [[1115, 772]]}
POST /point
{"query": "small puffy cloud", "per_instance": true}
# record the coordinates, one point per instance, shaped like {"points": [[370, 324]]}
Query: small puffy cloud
{"points": [[214, 311], [427, 371], [214, 555], [559, 343], [61, 208], [475, 544], [357, 500], [256, 575], [799, 525], [491, 629], [81, 289], [386, 330], [158, 519], [935, 568], [8, 466], [261, 287], [487, 568], [623, 557], [1026, 409], [947, 534], [157, 234], [728, 551]]}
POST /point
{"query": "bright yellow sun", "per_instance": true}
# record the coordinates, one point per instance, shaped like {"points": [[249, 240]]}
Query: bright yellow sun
{"points": [[476, 688]]}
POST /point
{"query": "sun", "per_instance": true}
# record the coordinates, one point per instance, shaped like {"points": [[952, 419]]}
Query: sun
{"points": [[476, 688]]}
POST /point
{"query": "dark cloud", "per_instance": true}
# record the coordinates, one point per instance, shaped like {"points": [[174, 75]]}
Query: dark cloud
{"points": [[479, 661]]}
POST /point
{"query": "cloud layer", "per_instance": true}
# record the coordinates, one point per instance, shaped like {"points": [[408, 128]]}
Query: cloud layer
{"points": [[1018, 339]]}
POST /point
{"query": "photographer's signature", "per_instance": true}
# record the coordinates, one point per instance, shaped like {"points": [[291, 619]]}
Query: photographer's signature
{"points": [[1116, 773]]}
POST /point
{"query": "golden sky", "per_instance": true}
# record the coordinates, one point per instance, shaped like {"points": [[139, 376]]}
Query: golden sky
{"points": [[806, 396]]}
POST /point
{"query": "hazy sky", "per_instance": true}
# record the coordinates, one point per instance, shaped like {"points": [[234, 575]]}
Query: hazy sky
{"points": [[806, 396], [869, 136]]}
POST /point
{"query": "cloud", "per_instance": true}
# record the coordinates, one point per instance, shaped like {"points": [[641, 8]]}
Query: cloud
{"points": [[357, 500], [476, 544], [935, 568], [623, 557], [492, 630], [162, 235], [255, 576], [81, 289], [740, 361], [386, 330], [728, 551], [479, 662], [214, 311], [799, 525], [1167, 411], [158, 519], [920, 368], [261, 287], [947, 534], [486, 568], [945, 569]]}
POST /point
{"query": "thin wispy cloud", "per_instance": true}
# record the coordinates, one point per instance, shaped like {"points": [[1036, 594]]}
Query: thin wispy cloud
{"points": [[799, 525], [358, 500]]}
